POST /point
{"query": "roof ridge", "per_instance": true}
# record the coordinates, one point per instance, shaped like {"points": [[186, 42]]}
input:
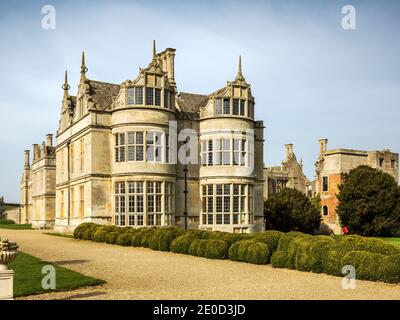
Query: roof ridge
{"points": [[113, 84]]}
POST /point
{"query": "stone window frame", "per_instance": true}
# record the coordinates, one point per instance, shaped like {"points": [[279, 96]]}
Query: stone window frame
{"points": [[148, 189], [161, 97], [325, 210], [245, 107], [325, 186], [210, 216], [212, 146], [159, 146]]}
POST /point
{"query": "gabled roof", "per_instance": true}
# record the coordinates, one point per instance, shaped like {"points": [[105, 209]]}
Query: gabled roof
{"points": [[102, 93], [191, 102]]}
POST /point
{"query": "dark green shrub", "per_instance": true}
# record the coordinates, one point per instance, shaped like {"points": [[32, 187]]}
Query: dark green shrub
{"points": [[258, 253], [291, 210], [216, 249], [206, 234], [124, 239], [316, 253], [233, 251], [182, 243], [111, 237], [136, 239], [372, 245], [6, 221], [81, 228], [368, 202], [279, 259], [194, 246], [242, 250], [100, 236], [202, 247], [231, 238], [146, 237], [87, 234], [332, 259], [154, 238], [294, 247], [286, 238], [365, 263], [389, 269], [270, 237], [165, 239]]}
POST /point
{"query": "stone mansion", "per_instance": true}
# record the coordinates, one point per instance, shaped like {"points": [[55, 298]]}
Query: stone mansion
{"points": [[115, 157]]}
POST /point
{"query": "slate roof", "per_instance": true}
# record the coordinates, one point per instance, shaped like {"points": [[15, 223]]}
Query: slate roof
{"points": [[190, 102], [102, 92]]}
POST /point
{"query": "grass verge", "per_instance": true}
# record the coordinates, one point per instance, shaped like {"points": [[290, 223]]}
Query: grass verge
{"points": [[16, 226], [28, 276]]}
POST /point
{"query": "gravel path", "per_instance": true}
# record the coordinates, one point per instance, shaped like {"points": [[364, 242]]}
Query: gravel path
{"points": [[139, 273]]}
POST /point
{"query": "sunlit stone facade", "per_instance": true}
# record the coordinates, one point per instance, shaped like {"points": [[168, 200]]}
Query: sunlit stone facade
{"points": [[120, 147]]}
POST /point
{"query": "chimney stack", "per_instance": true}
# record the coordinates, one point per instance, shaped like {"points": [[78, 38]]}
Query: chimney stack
{"points": [[36, 152], [288, 151], [49, 140], [26, 153], [323, 145]]}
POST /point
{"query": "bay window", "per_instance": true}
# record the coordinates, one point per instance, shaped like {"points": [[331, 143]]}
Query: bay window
{"points": [[130, 202], [242, 199], [223, 151]]}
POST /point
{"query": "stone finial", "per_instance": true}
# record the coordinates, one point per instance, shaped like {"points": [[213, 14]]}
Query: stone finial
{"points": [[84, 69], [66, 86], [154, 50], [239, 76]]}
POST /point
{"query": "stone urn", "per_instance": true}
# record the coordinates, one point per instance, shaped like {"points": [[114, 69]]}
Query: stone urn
{"points": [[8, 252]]}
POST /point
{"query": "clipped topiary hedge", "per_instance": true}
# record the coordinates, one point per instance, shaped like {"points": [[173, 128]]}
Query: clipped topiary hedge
{"points": [[100, 236], [233, 251], [165, 239], [111, 237], [216, 249], [372, 258], [258, 253], [182, 243], [242, 249], [279, 259], [124, 239]]}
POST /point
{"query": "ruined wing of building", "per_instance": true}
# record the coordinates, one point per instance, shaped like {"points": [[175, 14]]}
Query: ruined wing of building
{"points": [[112, 160], [330, 166], [288, 175]]}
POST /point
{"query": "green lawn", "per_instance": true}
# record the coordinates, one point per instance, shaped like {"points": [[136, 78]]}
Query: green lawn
{"points": [[28, 276], [394, 241], [16, 226]]}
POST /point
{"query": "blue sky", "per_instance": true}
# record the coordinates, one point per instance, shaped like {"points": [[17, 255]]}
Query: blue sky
{"points": [[311, 78]]}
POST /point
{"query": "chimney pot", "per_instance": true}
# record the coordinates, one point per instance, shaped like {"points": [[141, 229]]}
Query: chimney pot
{"points": [[49, 140]]}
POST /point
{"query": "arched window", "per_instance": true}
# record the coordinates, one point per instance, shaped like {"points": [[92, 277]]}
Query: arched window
{"points": [[325, 210]]}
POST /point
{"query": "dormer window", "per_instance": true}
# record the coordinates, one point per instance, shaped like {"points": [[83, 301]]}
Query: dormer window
{"points": [[138, 95], [157, 94], [236, 107], [218, 106], [223, 106], [227, 106], [149, 96], [131, 95]]}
